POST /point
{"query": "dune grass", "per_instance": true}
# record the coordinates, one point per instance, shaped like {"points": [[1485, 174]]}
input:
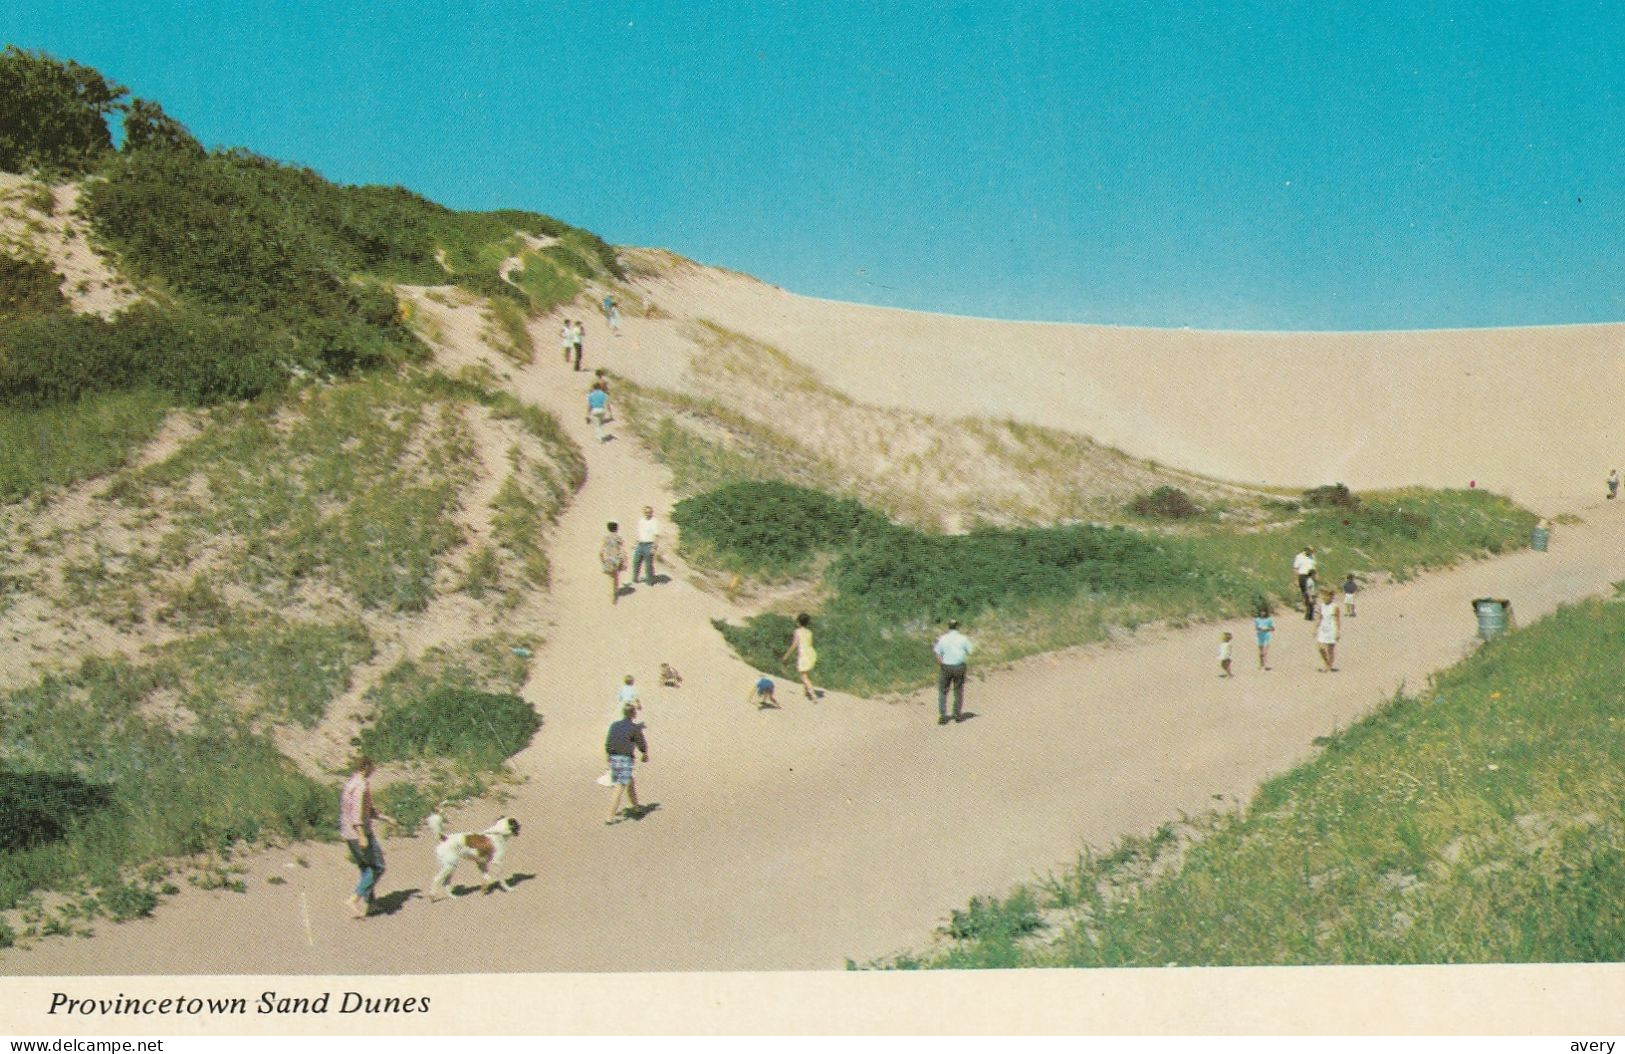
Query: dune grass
{"points": [[62, 444], [1478, 820], [1026, 590], [163, 791]]}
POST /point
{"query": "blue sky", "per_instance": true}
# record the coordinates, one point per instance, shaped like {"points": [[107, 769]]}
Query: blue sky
{"points": [[1285, 165]]}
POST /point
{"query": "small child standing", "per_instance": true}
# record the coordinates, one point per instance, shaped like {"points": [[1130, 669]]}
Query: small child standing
{"points": [[1224, 655], [628, 697], [1349, 589], [762, 694]]}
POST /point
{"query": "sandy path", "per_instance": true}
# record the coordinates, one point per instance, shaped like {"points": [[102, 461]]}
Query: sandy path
{"points": [[793, 839]]}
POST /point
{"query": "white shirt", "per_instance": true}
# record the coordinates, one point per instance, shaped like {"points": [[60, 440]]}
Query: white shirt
{"points": [[648, 530], [627, 694], [953, 647], [1303, 564]]}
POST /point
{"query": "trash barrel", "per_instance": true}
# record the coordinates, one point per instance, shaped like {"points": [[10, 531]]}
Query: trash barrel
{"points": [[1539, 537], [1492, 616]]}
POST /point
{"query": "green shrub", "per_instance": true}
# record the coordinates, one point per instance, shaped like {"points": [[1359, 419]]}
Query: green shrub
{"points": [[55, 113], [1165, 503], [28, 287], [482, 729], [148, 127], [123, 901], [41, 807], [770, 528], [1333, 495]]}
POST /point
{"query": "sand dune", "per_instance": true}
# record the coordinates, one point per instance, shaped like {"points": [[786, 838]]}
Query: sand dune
{"points": [[1531, 413], [792, 839]]}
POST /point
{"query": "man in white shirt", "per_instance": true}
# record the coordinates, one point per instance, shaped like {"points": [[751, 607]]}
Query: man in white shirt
{"points": [[644, 551], [1304, 565], [952, 649]]}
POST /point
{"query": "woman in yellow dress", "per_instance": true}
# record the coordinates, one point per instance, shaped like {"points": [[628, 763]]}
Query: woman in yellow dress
{"points": [[801, 644]]}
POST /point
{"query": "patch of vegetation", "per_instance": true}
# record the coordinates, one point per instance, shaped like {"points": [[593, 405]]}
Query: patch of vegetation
{"points": [[41, 807], [167, 792], [771, 529], [1475, 821], [29, 288], [481, 729], [352, 484], [268, 670], [55, 117], [65, 443], [1165, 503], [1330, 496], [1035, 589]]}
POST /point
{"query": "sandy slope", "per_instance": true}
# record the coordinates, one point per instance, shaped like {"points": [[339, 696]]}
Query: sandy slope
{"points": [[795, 838], [1526, 412]]}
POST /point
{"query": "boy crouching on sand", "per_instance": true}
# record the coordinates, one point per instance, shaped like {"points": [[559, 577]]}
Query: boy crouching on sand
{"points": [[1224, 656], [762, 694]]}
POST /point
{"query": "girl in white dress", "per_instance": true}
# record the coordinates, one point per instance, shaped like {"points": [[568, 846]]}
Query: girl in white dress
{"points": [[1331, 626]]}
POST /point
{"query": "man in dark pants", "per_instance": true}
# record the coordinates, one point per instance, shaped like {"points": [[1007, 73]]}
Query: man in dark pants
{"points": [[952, 649], [1304, 565]]}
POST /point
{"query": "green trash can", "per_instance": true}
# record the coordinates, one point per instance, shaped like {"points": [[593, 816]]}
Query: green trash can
{"points": [[1539, 537], [1492, 616]]}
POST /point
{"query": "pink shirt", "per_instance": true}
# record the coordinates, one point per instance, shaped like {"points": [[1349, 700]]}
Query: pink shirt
{"points": [[355, 809]]}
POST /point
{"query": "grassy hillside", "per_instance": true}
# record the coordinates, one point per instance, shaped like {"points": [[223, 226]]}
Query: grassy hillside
{"points": [[880, 591], [231, 497], [1478, 820]]}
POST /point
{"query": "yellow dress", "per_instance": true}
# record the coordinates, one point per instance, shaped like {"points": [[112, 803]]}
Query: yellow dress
{"points": [[806, 655]]}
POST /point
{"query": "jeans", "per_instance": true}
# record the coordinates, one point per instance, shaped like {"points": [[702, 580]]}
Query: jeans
{"points": [[954, 675], [370, 859], [643, 553]]}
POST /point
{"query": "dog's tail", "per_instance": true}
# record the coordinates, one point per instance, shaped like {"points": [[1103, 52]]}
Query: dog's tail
{"points": [[437, 825]]}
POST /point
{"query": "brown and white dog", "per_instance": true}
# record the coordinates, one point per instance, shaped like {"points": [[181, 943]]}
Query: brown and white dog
{"points": [[669, 677], [485, 848]]}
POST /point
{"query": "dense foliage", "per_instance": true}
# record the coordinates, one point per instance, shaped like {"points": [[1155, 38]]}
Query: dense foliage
{"points": [[770, 528], [29, 288], [482, 729], [53, 114], [1165, 503]]}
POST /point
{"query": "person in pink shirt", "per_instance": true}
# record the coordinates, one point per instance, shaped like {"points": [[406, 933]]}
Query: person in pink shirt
{"points": [[356, 814]]}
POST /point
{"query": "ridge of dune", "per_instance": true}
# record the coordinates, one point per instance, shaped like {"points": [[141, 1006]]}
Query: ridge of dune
{"points": [[1379, 409]]}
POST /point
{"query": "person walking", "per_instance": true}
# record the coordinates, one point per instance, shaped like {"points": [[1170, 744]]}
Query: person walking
{"points": [[1350, 587], [612, 557], [1224, 654], [643, 553], [1304, 565], [356, 813], [951, 649], [1330, 628], [1264, 631], [801, 645], [1613, 483], [612, 314], [577, 337], [625, 737], [598, 409], [567, 339]]}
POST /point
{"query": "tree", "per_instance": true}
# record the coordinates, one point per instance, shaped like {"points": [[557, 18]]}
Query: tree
{"points": [[53, 114], [148, 127]]}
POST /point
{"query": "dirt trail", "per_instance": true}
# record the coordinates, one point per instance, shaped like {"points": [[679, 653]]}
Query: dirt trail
{"points": [[795, 838]]}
